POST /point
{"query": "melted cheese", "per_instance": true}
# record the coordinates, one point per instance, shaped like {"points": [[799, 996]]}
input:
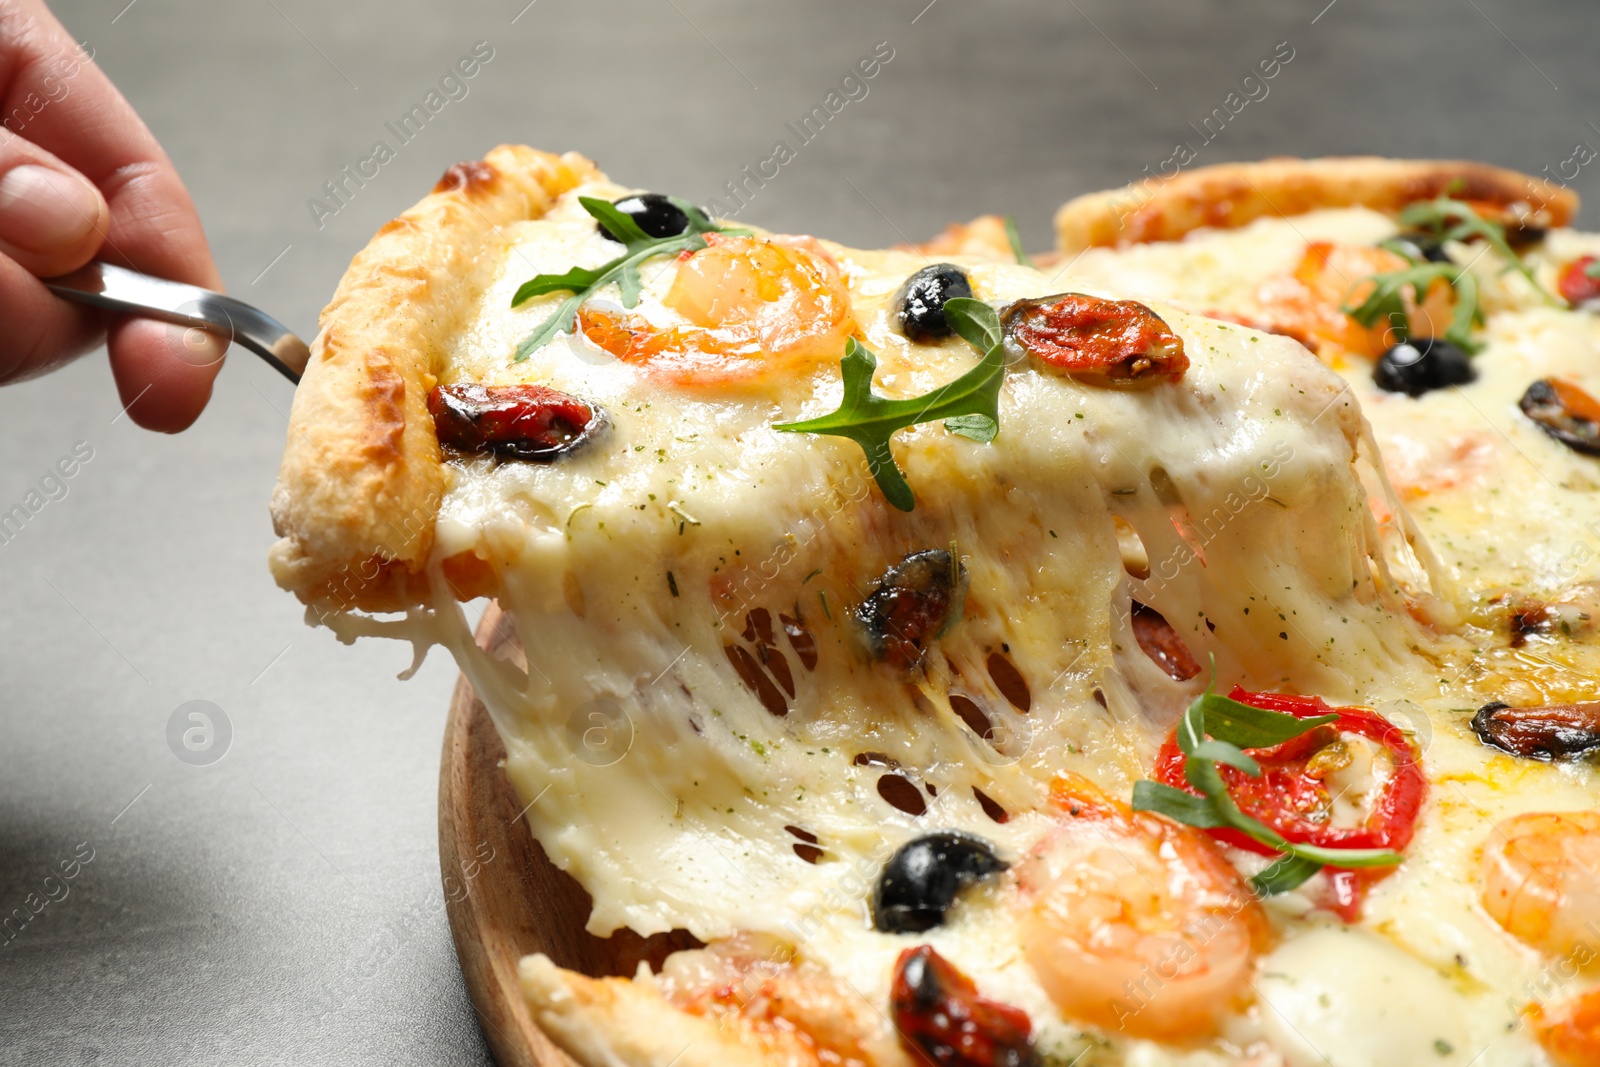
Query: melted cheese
{"points": [[657, 779], [1505, 506], [1340, 997]]}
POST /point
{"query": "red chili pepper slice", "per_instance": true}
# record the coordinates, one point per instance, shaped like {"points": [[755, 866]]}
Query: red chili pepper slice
{"points": [[1109, 342], [941, 1015], [1575, 283], [521, 421], [1296, 803]]}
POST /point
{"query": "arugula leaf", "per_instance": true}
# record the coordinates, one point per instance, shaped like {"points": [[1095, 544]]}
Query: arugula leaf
{"points": [[1284, 874], [969, 405], [1176, 804], [1232, 755], [977, 323], [1457, 220], [618, 223], [1016, 242], [1343, 857], [583, 282], [1387, 301], [1232, 727], [575, 279], [1251, 727], [1448, 220]]}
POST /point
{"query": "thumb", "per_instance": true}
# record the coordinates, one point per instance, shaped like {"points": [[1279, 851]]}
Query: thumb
{"points": [[52, 219]]}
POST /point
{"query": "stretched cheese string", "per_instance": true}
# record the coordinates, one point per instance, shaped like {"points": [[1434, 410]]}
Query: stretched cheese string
{"points": [[1438, 596]]}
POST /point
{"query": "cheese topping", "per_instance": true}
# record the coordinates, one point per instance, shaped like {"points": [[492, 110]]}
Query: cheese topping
{"points": [[650, 573]]}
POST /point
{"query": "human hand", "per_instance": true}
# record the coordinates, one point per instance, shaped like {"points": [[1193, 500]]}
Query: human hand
{"points": [[82, 178]]}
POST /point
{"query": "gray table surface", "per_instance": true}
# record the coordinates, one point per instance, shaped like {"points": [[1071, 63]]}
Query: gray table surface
{"points": [[283, 904]]}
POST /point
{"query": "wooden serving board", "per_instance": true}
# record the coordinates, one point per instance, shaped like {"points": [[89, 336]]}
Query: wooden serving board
{"points": [[504, 897]]}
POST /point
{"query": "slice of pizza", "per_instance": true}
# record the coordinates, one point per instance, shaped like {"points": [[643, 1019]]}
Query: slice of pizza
{"points": [[877, 611]]}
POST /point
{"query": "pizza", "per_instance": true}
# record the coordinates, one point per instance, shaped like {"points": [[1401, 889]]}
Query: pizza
{"points": [[1175, 650]]}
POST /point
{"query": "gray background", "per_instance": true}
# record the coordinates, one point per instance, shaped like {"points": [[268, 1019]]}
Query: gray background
{"points": [[284, 904]]}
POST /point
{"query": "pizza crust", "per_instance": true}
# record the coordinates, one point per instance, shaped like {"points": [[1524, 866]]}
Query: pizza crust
{"points": [[614, 1022], [769, 1017], [605, 1021], [984, 237], [1229, 195], [362, 478]]}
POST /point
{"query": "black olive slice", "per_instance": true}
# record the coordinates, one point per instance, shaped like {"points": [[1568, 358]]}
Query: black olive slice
{"points": [[1565, 412], [914, 602], [1551, 732], [1422, 365], [919, 307], [653, 213], [924, 876]]}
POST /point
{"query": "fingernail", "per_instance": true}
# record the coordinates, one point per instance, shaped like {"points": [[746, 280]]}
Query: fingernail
{"points": [[43, 210]]}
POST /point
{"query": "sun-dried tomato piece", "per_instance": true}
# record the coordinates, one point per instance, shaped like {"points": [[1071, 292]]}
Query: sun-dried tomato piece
{"points": [[940, 1014], [521, 421], [1107, 342]]}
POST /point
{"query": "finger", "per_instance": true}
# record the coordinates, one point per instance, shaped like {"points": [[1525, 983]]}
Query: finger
{"points": [[38, 331], [160, 371], [52, 219], [163, 372]]}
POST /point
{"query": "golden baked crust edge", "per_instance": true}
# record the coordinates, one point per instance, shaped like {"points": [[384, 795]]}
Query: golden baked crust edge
{"points": [[361, 480], [605, 1021], [1228, 195]]}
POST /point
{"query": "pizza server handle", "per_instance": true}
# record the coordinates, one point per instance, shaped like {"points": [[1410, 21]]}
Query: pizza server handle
{"points": [[119, 289]]}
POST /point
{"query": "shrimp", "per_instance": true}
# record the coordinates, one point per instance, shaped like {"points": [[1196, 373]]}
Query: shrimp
{"points": [[1308, 304], [1541, 881], [753, 305], [1134, 923], [1570, 1032], [1418, 465]]}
